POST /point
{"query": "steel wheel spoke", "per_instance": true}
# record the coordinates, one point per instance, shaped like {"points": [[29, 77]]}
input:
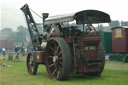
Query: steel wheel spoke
{"points": [[51, 65], [60, 63], [54, 71], [60, 58], [59, 53], [52, 49], [58, 73], [57, 49], [31, 59], [29, 63], [55, 44]]}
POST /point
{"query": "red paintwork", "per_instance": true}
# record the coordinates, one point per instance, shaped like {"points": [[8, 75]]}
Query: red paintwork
{"points": [[120, 44]]}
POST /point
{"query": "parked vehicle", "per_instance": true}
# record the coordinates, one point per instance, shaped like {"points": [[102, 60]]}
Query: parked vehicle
{"points": [[66, 48]]}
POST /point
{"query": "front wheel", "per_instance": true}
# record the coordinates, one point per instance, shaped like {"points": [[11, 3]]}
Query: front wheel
{"points": [[58, 59], [32, 65]]}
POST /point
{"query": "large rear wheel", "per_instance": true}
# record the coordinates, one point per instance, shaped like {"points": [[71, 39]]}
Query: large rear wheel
{"points": [[101, 55], [58, 59]]}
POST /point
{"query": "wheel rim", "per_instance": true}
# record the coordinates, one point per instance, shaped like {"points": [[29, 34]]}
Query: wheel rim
{"points": [[102, 57], [55, 60], [31, 65]]}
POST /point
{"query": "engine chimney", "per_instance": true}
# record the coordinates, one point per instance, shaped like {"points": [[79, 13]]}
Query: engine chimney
{"points": [[45, 15]]}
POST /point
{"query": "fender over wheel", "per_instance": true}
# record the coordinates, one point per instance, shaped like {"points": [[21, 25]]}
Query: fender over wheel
{"points": [[58, 59]]}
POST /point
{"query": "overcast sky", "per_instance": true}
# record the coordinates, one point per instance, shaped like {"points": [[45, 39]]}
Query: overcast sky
{"points": [[11, 16]]}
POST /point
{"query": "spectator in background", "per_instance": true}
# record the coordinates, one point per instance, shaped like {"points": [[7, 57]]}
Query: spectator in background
{"points": [[22, 51], [0, 51], [26, 50], [3, 50], [16, 49], [17, 53]]}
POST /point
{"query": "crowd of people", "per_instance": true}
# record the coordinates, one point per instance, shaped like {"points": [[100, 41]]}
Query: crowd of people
{"points": [[15, 52]]}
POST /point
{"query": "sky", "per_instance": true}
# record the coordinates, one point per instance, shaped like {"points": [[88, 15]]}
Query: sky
{"points": [[11, 16]]}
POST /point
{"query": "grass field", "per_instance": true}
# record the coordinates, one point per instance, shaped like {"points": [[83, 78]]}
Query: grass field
{"points": [[115, 73]]}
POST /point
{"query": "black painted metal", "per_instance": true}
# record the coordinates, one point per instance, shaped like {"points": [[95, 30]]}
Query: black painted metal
{"points": [[34, 33]]}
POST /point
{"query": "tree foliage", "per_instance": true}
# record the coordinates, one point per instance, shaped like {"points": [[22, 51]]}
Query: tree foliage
{"points": [[124, 23], [7, 30], [7, 34], [21, 34], [114, 23], [18, 36]]}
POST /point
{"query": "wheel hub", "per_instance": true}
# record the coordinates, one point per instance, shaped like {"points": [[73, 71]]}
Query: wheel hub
{"points": [[31, 63], [55, 58]]}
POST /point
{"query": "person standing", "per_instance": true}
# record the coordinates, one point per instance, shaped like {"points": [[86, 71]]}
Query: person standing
{"points": [[17, 53], [0, 51], [22, 51], [3, 50]]}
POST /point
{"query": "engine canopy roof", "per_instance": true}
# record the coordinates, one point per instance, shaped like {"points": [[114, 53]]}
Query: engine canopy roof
{"points": [[81, 17]]}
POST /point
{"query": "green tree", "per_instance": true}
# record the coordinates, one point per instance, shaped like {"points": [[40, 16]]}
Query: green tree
{"points": [[114, 23], [124, 23], [7, 30], [21, 34], [7, 34]]}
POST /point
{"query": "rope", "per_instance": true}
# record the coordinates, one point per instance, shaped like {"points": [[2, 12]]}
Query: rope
{"points": [[35, 13]]}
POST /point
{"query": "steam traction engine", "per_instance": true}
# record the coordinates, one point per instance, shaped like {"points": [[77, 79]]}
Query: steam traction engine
{"points": [[66, 47]]}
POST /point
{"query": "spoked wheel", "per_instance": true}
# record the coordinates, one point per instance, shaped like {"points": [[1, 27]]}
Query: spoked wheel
{"points": [[32, 65], [58, 60]]}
